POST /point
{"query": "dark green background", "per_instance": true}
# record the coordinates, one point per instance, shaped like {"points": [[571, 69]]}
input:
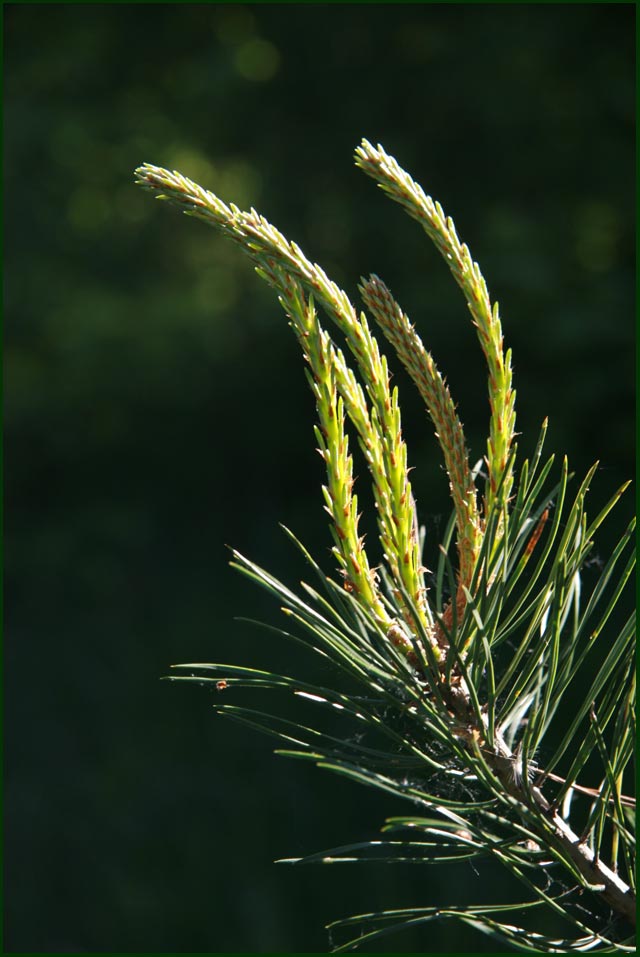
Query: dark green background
{"points": [[156, 410]]}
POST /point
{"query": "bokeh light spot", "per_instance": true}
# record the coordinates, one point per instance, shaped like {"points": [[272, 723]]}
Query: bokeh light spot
{"points": [[257, 60]]}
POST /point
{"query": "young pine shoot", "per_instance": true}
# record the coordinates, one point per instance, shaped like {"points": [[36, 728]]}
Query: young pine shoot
{"points": [[456, 686]]}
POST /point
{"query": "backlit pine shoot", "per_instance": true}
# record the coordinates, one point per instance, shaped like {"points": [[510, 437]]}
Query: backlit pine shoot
{"points": [[400, 187], [380, 429], [460, 688]]}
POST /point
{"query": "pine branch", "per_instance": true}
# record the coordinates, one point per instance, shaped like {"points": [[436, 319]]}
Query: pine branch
{"points": [[462, 690]]}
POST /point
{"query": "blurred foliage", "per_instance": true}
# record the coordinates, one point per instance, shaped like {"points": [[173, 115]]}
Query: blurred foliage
{"points": [[156, 408]]}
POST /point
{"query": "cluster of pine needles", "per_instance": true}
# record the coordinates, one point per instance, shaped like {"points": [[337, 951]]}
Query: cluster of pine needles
{"points": [[453, 689]]}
